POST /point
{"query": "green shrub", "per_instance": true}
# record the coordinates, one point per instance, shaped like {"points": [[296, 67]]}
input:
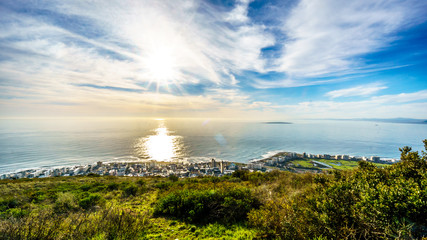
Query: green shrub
{"points": [[234, 179], [65, 202], [16, 213], [8, 203], [86, 187], [93, 175], [130, 190], [277, 220], [37, 196], [173, 178], [163, 185], [113, 186], [242, 174], [204, 206], [93, 187], [90, 201], [141, 182]]}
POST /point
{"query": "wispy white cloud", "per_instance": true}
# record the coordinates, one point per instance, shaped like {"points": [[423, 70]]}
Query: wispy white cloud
{"points": [[362, 90], [194, 41], [385, 106], [200, 42], [401, 97], [240, 13], [289, 83], [350, 74], [328, 37]]}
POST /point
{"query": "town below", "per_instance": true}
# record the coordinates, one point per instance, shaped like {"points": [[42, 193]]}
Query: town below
{"points": [[286, 161]]}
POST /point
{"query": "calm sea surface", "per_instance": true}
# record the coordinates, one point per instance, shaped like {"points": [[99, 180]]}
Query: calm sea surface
{"points": [[52, 143]]}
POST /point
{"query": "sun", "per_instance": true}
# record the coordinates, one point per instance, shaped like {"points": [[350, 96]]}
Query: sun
{"points": [[161, 66]]}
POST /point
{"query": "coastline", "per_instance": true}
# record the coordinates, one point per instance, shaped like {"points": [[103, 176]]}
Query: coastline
{"points": [[191, 168]]}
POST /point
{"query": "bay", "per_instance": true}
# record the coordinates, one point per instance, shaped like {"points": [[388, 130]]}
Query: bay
{"points": [[47, 143]]}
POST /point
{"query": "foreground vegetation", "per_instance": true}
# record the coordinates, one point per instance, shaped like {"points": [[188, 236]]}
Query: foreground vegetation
{"points": [[367, 202]]}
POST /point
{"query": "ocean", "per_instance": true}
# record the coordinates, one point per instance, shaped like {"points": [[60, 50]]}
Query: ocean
{"points": [[49, 143]]}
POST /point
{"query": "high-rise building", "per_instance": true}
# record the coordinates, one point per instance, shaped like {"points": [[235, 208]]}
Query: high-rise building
{"points": [[213, 163]]}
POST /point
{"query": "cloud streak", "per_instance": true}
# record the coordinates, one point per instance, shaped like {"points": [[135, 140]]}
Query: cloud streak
{"points": [[385, 106], [328, 37], [49, 60], [363, 90]]}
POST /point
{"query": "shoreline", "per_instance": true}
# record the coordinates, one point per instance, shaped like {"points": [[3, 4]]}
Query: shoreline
{"points": [[184, 167]]}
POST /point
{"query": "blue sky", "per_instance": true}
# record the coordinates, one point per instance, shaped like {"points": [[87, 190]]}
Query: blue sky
{"points": [[214, 59]]}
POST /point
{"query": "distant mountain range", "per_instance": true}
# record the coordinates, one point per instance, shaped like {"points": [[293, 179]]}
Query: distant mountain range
{"points": [[277, 122], [388, 120]]}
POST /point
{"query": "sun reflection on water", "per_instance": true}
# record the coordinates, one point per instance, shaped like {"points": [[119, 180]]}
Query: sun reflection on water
{"points": [[161, 146]]}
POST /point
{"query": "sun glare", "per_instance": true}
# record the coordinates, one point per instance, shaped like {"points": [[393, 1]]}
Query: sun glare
{"points": [[161, 146], [161, 66]]}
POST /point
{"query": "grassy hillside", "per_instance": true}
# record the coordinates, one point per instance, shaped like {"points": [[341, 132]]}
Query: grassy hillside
{"points": [[335, 164], [366, 202]]}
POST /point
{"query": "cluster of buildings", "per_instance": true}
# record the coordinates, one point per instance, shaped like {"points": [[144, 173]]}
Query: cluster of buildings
{"points": [[284, 157], [183, 169], [152, 168]]}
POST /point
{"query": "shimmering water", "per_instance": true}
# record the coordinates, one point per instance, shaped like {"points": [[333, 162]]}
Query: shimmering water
{"points": [[51, 143]]}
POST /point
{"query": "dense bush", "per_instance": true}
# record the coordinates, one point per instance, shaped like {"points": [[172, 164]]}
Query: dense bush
{"points": [[8, 203], [204, 206], [173, 178], [113, 186], [15, 213], [242, 174], [111, 223], [368, 202], [276, 219], [163, 185], [130, 190], [65, 202], [90, 201]]}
